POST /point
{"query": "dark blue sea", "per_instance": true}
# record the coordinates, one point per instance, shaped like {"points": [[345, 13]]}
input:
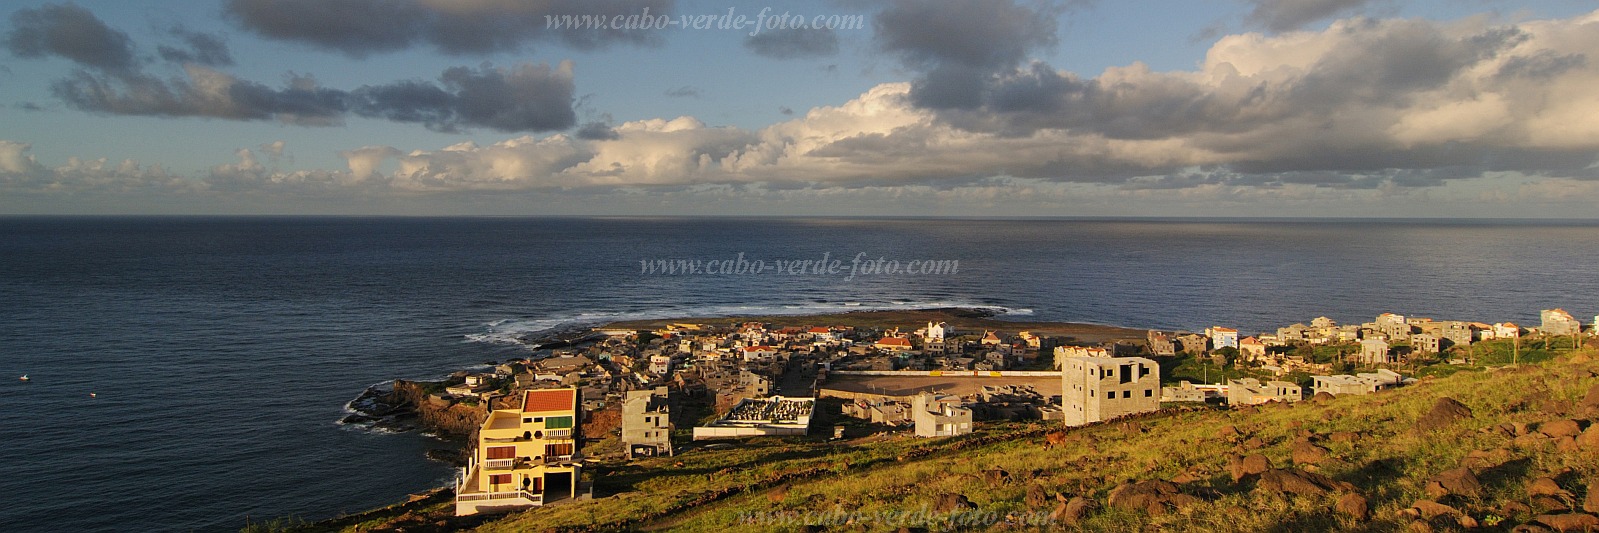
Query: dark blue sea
{"points": [[220, 352]]}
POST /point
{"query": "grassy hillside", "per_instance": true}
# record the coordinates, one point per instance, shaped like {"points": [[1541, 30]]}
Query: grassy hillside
{"points": [[1003, 478]]}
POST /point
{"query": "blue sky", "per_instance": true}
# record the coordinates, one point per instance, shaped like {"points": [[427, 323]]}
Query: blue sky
{"points": [[1460, 108]]}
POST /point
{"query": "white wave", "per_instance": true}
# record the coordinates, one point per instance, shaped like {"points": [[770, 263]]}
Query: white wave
{"points": [[511, 331]]}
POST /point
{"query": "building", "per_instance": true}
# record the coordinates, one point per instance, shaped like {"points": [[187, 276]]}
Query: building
{"points": [[1507, 330], [759, 353], [940, 415], [1363, 383], [1393, 326], [937, 332], [1251, 348], [1424, 343], [1559, 322], [525, 456], [1221, 337], [1183, 391], [990, 339], [1250, 391], [647, 423], [1375, 351], [1160, 344], [893, 343], [1102, 388], [1062, 353]]}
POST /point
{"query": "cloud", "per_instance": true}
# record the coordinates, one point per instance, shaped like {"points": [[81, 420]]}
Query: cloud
{"points": [[71, 32], [362, 27], [1289, 15], [794, 43], [522, 98], [515, 99], [957, 45], [203, 48]]}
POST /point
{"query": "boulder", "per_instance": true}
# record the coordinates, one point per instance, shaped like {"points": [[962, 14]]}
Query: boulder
{"points": [[1354, 506], [1343, 436], [1248, 465], [1569, 521], [1430, 509], [1560, 428], [1458, 482], [1547, 504], [1545, 486], [1305, 453], [1285, 481], [1590, 503], [952, 502], [1589, 439], [997, 476], [1072, 512], [778, 494], [1445, 412], [1322, 397], [1227, 432], [1152, 497], [1592, 399], [1036, 496]]}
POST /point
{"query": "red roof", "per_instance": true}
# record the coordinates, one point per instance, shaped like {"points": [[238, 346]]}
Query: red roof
{"points": [[547, 400], [820, 330], [894, 341], [758, 348]]}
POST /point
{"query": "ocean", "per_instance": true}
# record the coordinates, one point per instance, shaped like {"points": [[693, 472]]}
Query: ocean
{"points": [[190, 373]]}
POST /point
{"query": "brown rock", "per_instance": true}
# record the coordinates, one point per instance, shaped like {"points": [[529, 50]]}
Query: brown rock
{"points": [[1071, 513], [1283, 481], [1354, 506], [1531, 528], [1227, 431], [1519, 428], [1589, 439], [1592, 399], [1343, 436], [1590, 503], [1254, 443], [1547, 504], [1569, 521], [1151, 496], [1248, 465], [1513, 508], [997, 476], [1036, 496], [1560, 428], [1458, 482], [1444, 413], [1430, 509], [1545, 486], [1305, 453], [1321, 397], [952, 502], [1418, 526]]}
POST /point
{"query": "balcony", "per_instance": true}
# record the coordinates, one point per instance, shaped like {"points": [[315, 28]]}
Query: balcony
{"points": [[500, 464]]}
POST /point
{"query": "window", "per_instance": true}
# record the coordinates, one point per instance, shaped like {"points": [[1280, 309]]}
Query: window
{"points": [[1127, 373], [558, 422], [1127, 394], [538, 419], [1149, 393], [501, 452], [552, 450], [527, 420], [1110, 395], [499, 479]]}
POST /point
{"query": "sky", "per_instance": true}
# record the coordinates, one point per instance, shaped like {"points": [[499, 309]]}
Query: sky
{"points": [[994, 108]]}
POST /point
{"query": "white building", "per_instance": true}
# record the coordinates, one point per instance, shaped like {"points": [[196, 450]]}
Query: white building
{"points": [[940, 415], [1102, 388], [1221, 337], [1250, 391]]}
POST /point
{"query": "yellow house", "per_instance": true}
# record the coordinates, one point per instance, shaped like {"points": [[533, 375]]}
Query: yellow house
{"points": [[525, 456]]}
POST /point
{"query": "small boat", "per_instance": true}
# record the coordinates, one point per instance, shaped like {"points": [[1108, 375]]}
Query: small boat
{"points": [[23, 378]]}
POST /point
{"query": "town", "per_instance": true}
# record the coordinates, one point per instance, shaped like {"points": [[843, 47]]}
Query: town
{"points": [[635, 393]]}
